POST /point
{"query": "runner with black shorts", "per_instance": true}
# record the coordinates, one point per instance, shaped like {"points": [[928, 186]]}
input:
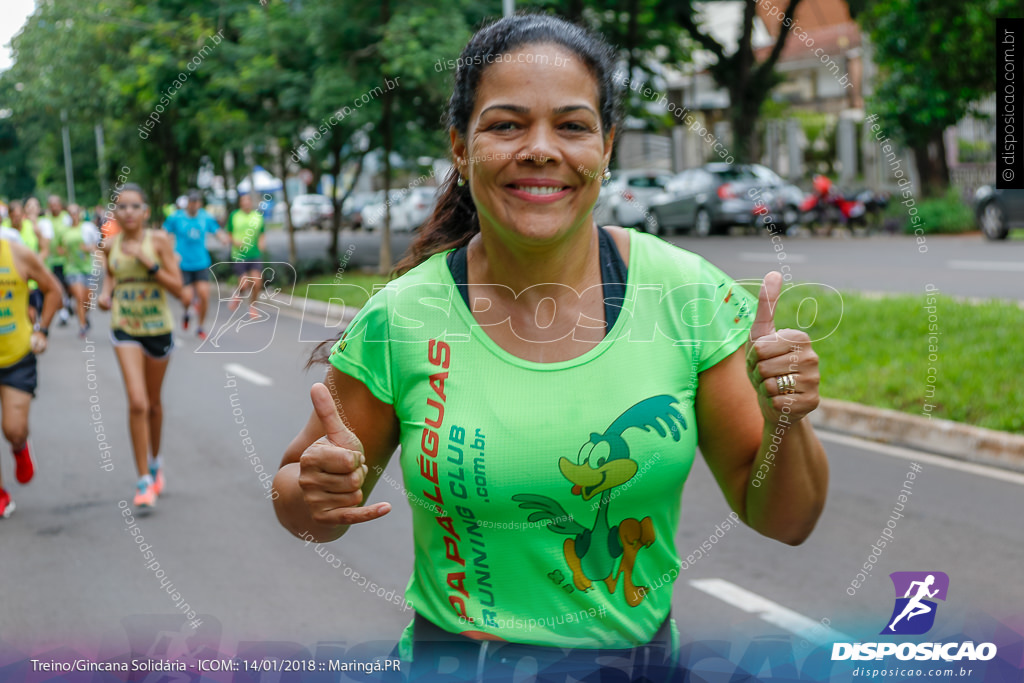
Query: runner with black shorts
{"points": [[189, 227], [141, 271], [248, 244], [75, 245], [19, 345], [53, 224]]}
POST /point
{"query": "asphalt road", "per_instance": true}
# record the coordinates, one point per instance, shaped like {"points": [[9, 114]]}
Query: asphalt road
{"points": [[958, 265], [71, 575]]}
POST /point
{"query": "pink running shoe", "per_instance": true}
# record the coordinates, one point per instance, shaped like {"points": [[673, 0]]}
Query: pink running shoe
{"points": [[145, 496], [158, 479]]}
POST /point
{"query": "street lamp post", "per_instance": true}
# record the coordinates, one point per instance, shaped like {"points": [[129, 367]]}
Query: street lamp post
{"points": [[508, 7], [69, 175]]}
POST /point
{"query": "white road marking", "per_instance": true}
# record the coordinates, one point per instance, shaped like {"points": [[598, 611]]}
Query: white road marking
{"points": [[772, 612], [761, 257], [1011, 266], [918, 456], [251, 375]]}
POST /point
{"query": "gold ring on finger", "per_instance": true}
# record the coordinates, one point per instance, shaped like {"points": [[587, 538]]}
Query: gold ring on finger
{"points": [[786, 384]]}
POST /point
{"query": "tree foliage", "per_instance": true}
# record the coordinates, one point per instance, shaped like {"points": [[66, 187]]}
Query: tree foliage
{"points": [[935, 62]]}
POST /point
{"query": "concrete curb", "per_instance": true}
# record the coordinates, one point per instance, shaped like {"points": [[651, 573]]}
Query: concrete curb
{"points": [[341, 315], [941, 437], [932, 435]]}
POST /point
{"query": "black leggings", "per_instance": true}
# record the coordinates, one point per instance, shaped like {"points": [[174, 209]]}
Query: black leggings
{"points": [[436, 652]]}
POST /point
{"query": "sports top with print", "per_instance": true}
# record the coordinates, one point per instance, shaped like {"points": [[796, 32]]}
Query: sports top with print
{"points": [[139, 303], [15, 326], [544, 489]]}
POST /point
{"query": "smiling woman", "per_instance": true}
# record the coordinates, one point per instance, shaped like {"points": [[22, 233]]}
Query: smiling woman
{"points": [[537, 369]]}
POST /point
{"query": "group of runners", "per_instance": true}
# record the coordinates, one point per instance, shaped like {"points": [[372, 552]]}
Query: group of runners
{"points": [[57, 265]]}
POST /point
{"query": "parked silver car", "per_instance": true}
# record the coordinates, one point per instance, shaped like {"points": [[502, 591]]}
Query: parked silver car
{"points": [[625, 199], [352, 208], [709, 199]]}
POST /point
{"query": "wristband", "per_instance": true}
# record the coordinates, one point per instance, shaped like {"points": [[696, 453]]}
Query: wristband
{"points": [[45, 331], [155, 267]]}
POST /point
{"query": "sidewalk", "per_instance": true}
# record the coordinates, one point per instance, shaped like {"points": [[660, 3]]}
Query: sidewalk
{"points": [[932, 435]]}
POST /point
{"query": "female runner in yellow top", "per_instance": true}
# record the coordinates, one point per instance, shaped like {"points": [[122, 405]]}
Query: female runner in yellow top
{"points": [[142, 270]]}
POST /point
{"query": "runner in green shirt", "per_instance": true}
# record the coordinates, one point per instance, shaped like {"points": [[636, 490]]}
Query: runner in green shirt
{"points": [[549, 383], [54, 222], [248, 243], [75, 246]]}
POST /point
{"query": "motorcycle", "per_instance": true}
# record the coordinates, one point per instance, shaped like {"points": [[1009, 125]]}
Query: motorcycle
{"points": [[830, 208]]}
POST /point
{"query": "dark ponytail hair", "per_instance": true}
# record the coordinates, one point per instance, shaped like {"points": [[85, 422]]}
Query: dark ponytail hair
{"points": [[455, 221], [132, 187]]}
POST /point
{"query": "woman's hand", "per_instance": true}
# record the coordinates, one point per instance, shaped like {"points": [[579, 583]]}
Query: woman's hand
{"points": [[332, 470], [37, 342], [103, 302], [780, 361]]}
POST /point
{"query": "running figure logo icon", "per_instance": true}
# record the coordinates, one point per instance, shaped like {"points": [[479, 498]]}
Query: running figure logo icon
{"points": [[914, 612]]}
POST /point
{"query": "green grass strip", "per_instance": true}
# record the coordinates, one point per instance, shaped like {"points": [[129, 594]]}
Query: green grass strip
{"points": [[908, 352], [962, 359]]}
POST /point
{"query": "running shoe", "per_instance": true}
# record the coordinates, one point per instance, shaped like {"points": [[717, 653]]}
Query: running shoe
{"points": [[201, 333], [253, 313], [6, 504], [62, 317], [24, 467], [145, 496], [158, 479], [184, 320]]}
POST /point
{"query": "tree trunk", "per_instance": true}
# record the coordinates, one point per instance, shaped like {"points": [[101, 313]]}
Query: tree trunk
{"points": [[387, 134], [336, 202], [341, 200], [282, 170], [631, 37], [229, 181], [932, 170], [743, 120]]}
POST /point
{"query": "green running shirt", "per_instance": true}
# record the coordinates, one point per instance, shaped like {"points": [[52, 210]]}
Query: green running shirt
{"points": [[60, 223], [246, 228], [545, 496]]}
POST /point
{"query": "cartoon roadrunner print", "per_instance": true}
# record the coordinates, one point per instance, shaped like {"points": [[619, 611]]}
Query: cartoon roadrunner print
{"points": [[603, 463]]}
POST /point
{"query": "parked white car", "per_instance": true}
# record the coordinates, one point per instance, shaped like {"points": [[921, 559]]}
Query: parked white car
{"points": [[308, 210], [373, 211], [625, 200], [418, 205], [409, 209]]}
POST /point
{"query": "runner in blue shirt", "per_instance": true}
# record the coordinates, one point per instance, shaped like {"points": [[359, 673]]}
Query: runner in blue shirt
{"points": [[189, 227]]}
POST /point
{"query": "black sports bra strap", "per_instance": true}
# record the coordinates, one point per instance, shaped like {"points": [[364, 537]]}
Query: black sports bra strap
{"points": [[613, 276]]}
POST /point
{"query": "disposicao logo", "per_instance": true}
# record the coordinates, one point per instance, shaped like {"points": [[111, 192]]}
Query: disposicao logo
{"points": [[914, 612], [914, 615]]}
